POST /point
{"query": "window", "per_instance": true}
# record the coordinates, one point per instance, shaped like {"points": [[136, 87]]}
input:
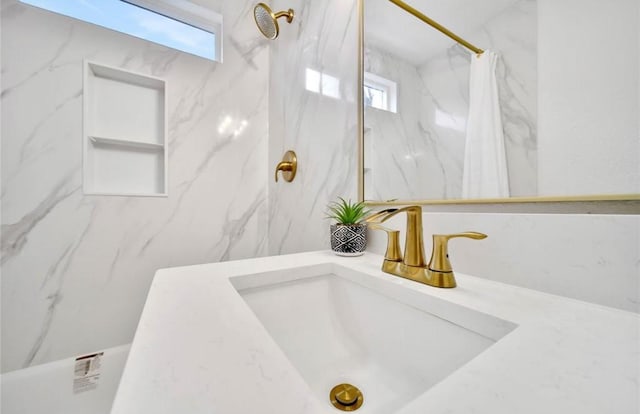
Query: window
{"points": [[178, 24], [380, 93], [375, 98], [322, 83]]}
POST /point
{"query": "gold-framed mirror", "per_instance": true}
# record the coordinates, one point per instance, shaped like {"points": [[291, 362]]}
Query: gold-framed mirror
{"points": [[568, 95]]}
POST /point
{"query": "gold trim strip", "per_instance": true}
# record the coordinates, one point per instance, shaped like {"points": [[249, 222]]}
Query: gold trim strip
{"points": [[404, 6], [546, 199]]}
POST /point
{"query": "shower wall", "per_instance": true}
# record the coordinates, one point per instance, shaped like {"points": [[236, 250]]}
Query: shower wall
{"points": [[76, 268], [401, 161], [312, 110], [423, 144]]}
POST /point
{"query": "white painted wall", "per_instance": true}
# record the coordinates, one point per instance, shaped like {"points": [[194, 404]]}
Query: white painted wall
{"points": [[589, 257], [588, 97]]}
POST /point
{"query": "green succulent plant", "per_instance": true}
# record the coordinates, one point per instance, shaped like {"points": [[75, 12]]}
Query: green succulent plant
{"points": [[347, 213]]}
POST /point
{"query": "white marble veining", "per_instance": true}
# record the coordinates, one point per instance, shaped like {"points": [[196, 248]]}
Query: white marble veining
{"points": [[75, 268], [418, 152], [199, 348], [320, 129], [400, 164], [590, 257]]}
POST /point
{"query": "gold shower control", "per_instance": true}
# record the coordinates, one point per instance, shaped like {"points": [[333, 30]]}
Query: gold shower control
{"points": [[288, 166]]}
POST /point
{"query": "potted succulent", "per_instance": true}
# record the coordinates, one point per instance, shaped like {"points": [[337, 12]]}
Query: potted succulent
{"points": [[348, 234]]}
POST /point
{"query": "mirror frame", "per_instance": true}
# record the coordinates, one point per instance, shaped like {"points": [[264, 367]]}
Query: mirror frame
{"points": [[398, 202]]}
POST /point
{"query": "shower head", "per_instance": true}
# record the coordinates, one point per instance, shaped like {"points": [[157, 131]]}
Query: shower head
{"points": [[267, 20]]}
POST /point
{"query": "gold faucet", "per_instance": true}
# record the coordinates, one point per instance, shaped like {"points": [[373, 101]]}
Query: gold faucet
{"points": [[438, 271]]}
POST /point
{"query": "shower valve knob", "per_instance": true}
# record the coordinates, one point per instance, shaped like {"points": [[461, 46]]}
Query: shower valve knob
{"points": [[288, 166]]}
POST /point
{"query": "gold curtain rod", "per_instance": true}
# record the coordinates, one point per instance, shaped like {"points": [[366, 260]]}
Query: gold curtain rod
{"points": [[404, 6]]}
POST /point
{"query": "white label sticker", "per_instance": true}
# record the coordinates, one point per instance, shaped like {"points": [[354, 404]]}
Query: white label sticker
{"points": [[86, 372]]}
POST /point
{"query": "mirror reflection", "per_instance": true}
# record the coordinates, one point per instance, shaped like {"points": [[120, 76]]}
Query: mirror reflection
{"points": [[537, 114]]}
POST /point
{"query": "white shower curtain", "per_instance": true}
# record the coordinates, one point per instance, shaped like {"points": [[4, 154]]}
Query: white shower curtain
{"points": [[485, 163]]}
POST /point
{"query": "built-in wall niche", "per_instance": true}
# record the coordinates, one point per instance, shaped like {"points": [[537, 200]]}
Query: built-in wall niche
{"points": [[125, 132]]}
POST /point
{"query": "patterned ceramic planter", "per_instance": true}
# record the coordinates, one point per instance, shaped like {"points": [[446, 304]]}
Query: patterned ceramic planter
{"points": [[348, 240]]}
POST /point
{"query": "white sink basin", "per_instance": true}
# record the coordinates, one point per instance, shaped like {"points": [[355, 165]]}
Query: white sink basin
{"points": [[390, 344]]}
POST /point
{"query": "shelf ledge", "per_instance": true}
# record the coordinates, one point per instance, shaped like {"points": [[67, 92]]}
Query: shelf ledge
{"points": [[126, 143]]}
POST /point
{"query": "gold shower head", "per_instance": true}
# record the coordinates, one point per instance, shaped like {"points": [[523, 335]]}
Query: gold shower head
{"points": [[267, 20]]}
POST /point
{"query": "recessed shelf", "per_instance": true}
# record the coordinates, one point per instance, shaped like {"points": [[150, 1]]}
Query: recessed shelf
{"points": [[124, 169], [120, 105]]}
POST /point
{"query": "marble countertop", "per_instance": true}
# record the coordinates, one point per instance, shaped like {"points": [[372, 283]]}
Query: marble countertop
{"points": [[200, 349]]}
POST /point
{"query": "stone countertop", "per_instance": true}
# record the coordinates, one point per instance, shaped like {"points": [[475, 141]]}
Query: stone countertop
{"points": [[200, 349]]}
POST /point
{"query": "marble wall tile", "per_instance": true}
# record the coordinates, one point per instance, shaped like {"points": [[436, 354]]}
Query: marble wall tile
{"points": [[321, 129], [402, 160], [75, 268]]}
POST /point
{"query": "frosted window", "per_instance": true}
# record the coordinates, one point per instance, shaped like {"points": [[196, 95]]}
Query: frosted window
{"points": [[375, 98], [380, 93]]}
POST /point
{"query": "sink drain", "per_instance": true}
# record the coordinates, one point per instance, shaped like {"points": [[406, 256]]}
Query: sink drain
{"points": [[346, 397]]}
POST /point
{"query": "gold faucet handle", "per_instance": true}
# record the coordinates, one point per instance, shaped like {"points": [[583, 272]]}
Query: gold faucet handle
{"points": [[393, 253], [440, 253]]}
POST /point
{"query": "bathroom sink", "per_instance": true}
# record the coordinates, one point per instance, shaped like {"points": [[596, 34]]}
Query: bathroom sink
{"points": [[343, 327], [274, 335]]}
